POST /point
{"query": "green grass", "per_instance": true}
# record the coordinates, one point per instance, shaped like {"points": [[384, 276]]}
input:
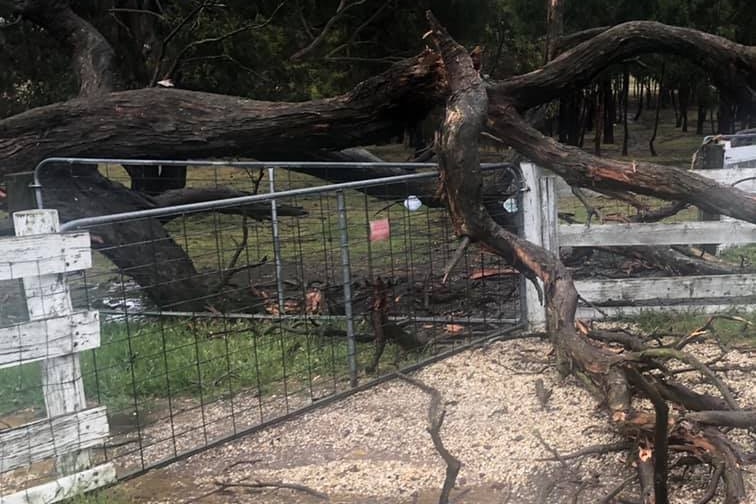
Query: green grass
{"points": [[148, 361], [724, 330], [109, 496]]}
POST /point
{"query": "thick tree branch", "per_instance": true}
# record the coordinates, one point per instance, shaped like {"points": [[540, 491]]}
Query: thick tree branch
{"points": [[579, 168], [92, 55], [174, 123], [732, 66], [741, 419]]}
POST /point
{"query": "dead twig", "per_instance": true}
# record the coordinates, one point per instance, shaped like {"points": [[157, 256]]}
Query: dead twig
{"points": [[181, 56], [616, 490], [542, 394], [590, 209], [600, 449], [671, 353], [458, 254], [551, 450], [259, 485], [435, 420], [161, 55], [341, 10], [698, 333], [239, 249]]}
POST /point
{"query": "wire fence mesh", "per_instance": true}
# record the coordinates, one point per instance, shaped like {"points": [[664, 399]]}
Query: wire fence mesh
{"points": [[219, 320]]}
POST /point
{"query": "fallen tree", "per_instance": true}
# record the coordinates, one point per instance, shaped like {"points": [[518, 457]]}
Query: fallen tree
{"points": [[615, 378], [170, 123]]}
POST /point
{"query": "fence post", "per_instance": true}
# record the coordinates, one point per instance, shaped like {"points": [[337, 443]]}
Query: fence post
{"points": [[549, 214], [276, 242], [532, 230], [48, 296], [347, 276], [710, 157], [540, 226]]}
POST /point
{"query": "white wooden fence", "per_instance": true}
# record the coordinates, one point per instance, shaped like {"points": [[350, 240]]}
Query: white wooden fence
{"points": [[689, 293], [41, 256]]}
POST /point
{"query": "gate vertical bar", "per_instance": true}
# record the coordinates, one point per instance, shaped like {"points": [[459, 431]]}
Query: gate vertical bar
{"points": [[276, 240], [347, 272]]}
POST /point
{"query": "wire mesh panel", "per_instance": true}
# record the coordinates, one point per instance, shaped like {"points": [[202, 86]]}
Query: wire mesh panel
{"points": [[219, 319]]}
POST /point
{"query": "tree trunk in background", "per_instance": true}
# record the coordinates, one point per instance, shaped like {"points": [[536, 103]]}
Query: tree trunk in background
{"points": [[726, 116], [554, 27], [678, 117], [625, 100], [658, 110], [570, 118], [598, 129], [639, 95], [684, 103], [610, 111], [702, 100]]}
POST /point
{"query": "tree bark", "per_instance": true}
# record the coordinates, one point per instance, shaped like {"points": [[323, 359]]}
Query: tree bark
{"points": [[170, 123]]}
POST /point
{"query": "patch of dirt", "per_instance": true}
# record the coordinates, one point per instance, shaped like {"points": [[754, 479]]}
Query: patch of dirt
{"points": [[373, 447]]}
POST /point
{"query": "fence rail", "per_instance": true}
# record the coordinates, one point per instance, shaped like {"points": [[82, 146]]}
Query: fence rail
{"points": [[630, 296]]}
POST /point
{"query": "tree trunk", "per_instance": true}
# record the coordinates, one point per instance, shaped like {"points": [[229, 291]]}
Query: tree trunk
{"points": [[600, 114], [639, 95], [170, 123], [625, 100], [684, 94], [610, 112], [658, 110], [554, 27], [726, 117]]}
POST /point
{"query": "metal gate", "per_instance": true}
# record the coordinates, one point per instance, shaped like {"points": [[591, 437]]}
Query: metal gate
{"points": [[222, 316]]}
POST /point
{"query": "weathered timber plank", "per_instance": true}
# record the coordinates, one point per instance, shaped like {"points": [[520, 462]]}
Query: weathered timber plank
{"points": [[578, 235], [533, 229], [48, 338], [64, 488], [590, 313], [48, 296], [51, 437], [27, 256], [687, 287]]}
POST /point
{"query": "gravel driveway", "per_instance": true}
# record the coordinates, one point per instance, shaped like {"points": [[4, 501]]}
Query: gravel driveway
{"points": [[374, 447]]}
